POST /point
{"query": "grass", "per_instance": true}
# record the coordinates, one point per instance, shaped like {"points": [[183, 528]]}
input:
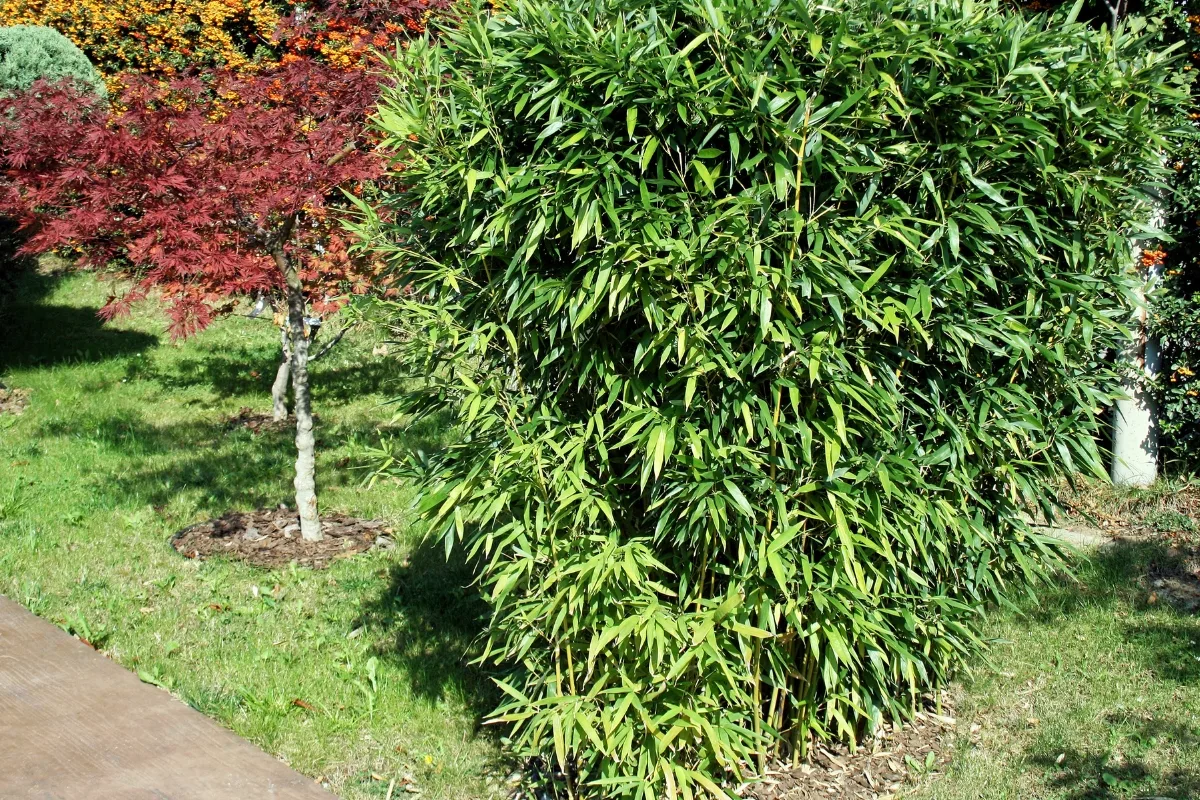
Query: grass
{"points": [[1090, 693], [355, 674]]}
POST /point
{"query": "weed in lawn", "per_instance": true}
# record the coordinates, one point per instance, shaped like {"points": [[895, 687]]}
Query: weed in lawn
{"points": [[126, 442], [1166, 520], [77, 626], [11, 503]]}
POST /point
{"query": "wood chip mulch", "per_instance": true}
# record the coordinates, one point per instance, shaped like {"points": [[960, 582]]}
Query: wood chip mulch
{"points": [[259, 422], [13, 401], [271, 538], [877, 770]]}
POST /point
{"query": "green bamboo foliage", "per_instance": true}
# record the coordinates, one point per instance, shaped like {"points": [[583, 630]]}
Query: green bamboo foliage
{"points": [[763, 323]]}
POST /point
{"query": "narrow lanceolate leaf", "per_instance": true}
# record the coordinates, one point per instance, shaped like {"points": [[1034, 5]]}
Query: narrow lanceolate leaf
{"points": [[761, 347], [648, 152], [739, 499], [660, 449]]}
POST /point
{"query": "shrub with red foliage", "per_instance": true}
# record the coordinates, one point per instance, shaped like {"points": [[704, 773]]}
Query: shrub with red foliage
{"points": [[343, 32], [195, 184], [204, 189]]}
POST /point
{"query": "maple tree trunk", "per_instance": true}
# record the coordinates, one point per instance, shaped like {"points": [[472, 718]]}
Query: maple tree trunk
{"points": [[279, 389], [306, 467], [279, 410]]}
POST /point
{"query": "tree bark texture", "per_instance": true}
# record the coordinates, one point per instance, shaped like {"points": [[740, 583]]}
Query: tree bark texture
{"points": [[283, 375], [306, 463], [306, 483]]}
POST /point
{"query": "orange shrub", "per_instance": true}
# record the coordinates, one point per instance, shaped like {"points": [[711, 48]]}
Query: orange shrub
{"points": [[156, 35]]}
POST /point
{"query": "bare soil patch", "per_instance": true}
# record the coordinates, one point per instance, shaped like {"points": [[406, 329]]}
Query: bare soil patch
{"points": [[271, 538], [13, 401], [877, 770]]}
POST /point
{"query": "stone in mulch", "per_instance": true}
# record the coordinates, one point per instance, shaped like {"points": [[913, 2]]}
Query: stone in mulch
{"points": [[13, 401], [271, 538], [877, 770]]}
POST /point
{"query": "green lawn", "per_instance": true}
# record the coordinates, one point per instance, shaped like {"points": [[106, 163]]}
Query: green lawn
{"points": [[1091, 694], [125, 442]]}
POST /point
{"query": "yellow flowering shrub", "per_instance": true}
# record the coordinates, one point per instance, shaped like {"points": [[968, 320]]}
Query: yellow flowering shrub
{"points": [[155, 35]]}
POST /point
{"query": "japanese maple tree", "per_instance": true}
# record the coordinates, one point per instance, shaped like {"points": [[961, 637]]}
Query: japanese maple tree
{"points": [[204, 190]]}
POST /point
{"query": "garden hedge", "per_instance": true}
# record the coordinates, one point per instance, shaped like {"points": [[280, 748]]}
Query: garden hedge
{"points": [[765, 324]]}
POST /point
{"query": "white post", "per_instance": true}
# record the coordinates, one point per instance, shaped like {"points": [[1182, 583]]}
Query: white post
{"points": [[1135, 420]]}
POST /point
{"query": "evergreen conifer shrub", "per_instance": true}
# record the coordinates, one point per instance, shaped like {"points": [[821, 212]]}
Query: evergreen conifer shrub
{"points": [[31, 52], [764, 322]]}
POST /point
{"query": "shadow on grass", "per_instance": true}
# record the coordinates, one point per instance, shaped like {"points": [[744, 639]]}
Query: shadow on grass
{"points": [[224, 467], [243, 369], [228, 469], [1106, 775], [1116, 576], [12, 266], [40, 335], [1164, 642], [434, 617]]}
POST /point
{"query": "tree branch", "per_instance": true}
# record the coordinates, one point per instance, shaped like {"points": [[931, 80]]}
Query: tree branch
{"points": [[333, 341], [345, 151]]}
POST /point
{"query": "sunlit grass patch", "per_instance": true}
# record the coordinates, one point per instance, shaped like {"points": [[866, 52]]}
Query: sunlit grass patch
{"points": [[356, 674]]}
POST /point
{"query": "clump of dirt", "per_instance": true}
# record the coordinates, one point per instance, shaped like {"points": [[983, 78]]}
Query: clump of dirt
{"points": [[259, 422], [271, 538], [13, 401], [877, 770]]}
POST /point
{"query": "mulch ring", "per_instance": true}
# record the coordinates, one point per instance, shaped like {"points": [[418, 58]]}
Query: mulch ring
{"points": [[13, 401], [877, 770], [259, 422], [271, 538]]}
